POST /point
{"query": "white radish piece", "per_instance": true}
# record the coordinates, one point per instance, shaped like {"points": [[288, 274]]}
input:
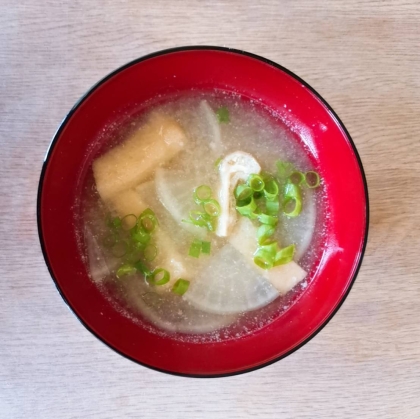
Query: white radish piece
{"points": [[227, 285], [235, 167], [282, 277], [100, 266], [214, 136], [175, 192], [171, 313], [128, 164]]}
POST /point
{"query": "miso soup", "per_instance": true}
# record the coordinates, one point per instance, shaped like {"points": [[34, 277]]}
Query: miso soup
{"points": [[203, 217]]}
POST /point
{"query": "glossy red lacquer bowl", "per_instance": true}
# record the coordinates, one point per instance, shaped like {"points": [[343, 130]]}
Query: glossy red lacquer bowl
{"points": [[314, 123]]}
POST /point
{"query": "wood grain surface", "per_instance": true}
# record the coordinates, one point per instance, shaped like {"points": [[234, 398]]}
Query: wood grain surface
{"points": [[363, 57]]}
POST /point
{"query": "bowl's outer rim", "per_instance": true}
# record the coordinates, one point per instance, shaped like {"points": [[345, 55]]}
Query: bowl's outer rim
{"points": [[234, 51]]}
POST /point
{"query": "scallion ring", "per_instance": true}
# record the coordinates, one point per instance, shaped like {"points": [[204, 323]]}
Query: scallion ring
{"points": [[264, 233], [256, 183], [271, 189], [128, 222], [284, 255], [150, 252], [202, 193], [181, 286], [211, 207], [126, 269], [297, 177], [312, 179], [159, 277]]}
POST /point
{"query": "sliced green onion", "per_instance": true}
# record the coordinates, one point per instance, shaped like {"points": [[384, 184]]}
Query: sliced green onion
{"points": [[195, 249], [263, 259], [223, 114], [150, 252], [205, 247], [181, 286], [312, 179], [271, 189], [256, 182], [159, 277], [138, 234], [212, 207], [110, 240], [128, 222], [202, 193], [217, 162], [272, 207], [264, 233], [268, 219], [113, 222], [247, 207], [125, 269], [271, 248], [243, 192], [292, 205], [119, 249], [198, 216], [284, 255], [142, 268], [284, 169], [116, 222], [297, 177], [147, 220]]}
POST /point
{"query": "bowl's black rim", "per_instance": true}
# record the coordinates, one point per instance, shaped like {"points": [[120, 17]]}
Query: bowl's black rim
{"points": [[192, 48]]}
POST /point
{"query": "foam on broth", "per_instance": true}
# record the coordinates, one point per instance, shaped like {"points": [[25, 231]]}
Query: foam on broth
{"points": [[252, 129]]}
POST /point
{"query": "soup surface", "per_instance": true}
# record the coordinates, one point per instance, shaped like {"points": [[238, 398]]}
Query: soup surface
{"points": [[203, 218]]}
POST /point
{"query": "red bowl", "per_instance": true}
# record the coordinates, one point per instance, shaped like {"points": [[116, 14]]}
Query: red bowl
{"points": [[317, 127]]}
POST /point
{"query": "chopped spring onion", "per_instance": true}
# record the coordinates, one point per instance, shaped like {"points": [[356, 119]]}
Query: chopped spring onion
{"points": [[243, 192], [212, 207], [128, 222], [217, 162], [181, 286], [125, 269], [247, 207], [142, 268], [202, 193], [263, 259], [268, 219], [195, 249], [200, 219], [116, 222], [271, 189], [147, 220], [110, 240], [284, 169], [120, 248], [205, 247], [159, 276], [150, 252], [297, 177], [272, 207], [138, 234], [264, 233], [256, 183], [284, 255], [223, 114], [312, 179], [292, 205]]}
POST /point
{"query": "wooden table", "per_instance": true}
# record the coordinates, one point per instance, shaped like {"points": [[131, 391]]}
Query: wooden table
{"points": [[364, 58]]}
